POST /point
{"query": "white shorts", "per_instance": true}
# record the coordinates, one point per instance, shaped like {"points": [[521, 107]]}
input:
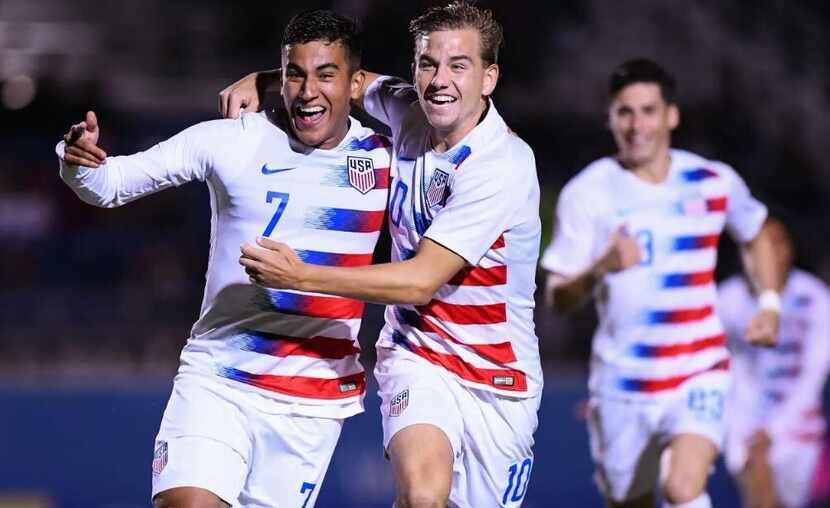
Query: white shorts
{"points": [[213, 437], [793, 466], [491, 435], [629, 436]]}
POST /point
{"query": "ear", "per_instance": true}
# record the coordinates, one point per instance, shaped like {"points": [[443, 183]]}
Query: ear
{"points": [[674, 116], [491, 77], [412, 71], [356, 84]]}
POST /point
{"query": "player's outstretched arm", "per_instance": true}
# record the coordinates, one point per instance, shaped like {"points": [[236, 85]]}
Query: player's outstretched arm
{"points": [[759, 256], [81, 143], [565, 294], [248, 93], [413, 281]]}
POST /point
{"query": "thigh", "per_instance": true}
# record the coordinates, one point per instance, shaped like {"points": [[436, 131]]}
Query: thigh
{"points": [[202, 443], [289, 459], [422, 424], [496, 461], [699, 408], [625, 448]]}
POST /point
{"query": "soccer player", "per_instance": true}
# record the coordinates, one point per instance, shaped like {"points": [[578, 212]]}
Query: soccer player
{"points": [[266, 377], [458, 363], [776, 430], [639, 231]]}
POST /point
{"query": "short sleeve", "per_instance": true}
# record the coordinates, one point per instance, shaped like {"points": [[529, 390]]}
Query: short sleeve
{"points": [[744, 215], [571, 250], [388, 100], [482, 206]]}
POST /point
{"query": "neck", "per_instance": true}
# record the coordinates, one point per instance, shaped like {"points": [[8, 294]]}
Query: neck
{"points": [[443, 140], [654, 171]]}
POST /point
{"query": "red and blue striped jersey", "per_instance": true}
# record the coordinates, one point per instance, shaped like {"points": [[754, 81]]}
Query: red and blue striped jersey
{"points": [[479, 199], [329, 205], [658, 325], [779, 389]]}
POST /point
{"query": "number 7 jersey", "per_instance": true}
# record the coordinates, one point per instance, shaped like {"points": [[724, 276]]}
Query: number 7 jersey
{"points": [[328, 205]]}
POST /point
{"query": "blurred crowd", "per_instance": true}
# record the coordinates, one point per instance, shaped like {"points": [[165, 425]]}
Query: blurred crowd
{"points": [[88, 293]]}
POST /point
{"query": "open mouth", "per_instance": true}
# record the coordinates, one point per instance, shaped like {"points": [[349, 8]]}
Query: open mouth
{"points": [[308, 116], [441, 99]]}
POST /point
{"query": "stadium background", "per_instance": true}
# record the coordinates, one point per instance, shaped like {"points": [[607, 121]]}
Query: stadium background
{"points": [[95, 304]]}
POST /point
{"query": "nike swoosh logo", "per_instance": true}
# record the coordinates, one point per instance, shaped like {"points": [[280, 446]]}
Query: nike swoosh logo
{"points": [[270, 171]]}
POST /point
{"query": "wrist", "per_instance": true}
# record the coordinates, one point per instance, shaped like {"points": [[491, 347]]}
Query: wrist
{"points": [[769, 300]]}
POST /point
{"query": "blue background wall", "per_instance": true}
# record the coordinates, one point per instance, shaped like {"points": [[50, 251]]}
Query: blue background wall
{"points": [[92, 449]]}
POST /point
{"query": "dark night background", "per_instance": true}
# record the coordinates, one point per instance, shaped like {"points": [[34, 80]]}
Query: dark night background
{"points": [[93, 299]]}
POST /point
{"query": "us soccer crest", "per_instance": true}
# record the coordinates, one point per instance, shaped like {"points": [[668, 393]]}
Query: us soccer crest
{"points": [[159, 458], [398, 403], [437, 188], [361, 173]]}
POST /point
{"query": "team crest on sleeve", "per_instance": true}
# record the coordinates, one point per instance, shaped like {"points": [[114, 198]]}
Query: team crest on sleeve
{"points": [[399, 403], [437, 188], [361, 173], [159, 458]]}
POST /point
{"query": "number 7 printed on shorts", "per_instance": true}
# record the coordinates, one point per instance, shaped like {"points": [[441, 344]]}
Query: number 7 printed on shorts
{"points": [[309, 487]]}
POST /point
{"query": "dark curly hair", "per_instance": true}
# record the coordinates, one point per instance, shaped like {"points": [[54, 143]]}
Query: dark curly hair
{"points": [[329, 26]]}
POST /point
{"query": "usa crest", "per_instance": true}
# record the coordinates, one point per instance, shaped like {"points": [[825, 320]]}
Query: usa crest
{"points": [[437, 188], [361, 173], [159, 458], [398, 403]]}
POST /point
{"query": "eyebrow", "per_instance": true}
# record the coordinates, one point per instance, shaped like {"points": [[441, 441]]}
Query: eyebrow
{"points": [[456, 58], [319, 68]]}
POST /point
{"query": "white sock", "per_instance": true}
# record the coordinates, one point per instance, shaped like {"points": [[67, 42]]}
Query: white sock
{"points": [[701, 501]]}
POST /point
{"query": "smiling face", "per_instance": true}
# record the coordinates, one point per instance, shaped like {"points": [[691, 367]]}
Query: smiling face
{"points": [[452, 82], [642, 122], [317, 87]]}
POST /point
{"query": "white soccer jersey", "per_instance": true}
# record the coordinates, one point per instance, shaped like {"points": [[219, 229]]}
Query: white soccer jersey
{"points": [[329, 205], [779, 389], [480, 199], [658, 324]]}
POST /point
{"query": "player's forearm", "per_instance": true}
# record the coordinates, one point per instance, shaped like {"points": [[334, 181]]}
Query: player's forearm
{"points": [[567, 294], [388, 283], [94, 186], [762, 268]]}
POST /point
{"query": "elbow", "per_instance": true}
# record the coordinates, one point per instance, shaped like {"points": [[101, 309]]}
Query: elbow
{"points": [[420, 295]]}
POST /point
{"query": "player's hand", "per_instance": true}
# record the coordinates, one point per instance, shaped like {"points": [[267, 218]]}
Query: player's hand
{"points": [[272, 264], [622, 253], [82, 143], [242, 95], [763, 329]]}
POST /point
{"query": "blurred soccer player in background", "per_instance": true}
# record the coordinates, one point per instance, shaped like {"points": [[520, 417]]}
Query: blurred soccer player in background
{"points": [[775, 427], [266, 377], [639, 230], [458, 362]]}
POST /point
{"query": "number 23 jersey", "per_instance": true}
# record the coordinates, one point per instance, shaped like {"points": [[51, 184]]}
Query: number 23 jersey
{"points": [[657, 320]]}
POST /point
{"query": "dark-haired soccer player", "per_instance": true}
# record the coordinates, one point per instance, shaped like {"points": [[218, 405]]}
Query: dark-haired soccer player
{"points": [[266, 377], [458, 362], [640, 230]]}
